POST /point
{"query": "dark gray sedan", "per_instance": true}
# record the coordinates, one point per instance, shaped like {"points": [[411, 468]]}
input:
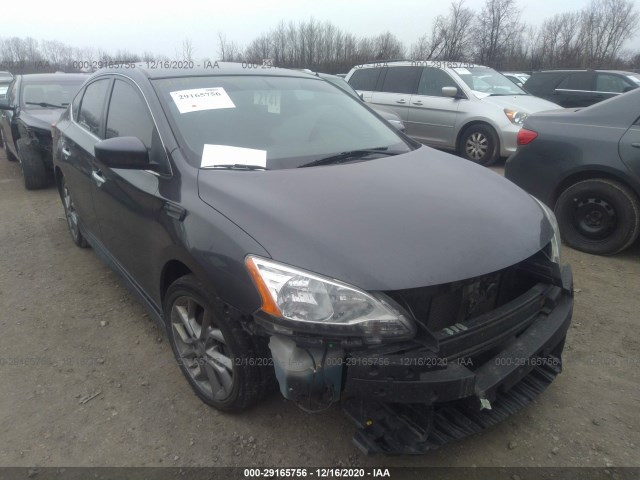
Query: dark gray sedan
{"points": [[284, 234], [585, 164]]}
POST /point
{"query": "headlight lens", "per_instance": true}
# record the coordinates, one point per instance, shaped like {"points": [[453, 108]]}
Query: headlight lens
{"points": [[554, 254], [514, 116], [321, 305]]}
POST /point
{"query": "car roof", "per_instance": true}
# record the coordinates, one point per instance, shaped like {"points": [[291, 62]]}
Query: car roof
{"points": [[621, 72], [44, 77], [142, 70], [419, 63]]}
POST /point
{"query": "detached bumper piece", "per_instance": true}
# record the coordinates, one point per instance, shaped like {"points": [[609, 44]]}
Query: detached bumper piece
{"points": [[489, 369], [396, 428]]}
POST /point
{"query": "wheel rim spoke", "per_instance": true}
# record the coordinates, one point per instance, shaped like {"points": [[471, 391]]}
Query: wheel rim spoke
{"points": [[202, 348]]}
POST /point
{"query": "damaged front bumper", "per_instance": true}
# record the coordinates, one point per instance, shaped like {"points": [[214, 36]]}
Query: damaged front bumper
{"points": [[410, 398]]}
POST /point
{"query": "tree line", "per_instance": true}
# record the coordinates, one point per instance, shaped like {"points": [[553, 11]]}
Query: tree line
{"points": [[495, 35]]}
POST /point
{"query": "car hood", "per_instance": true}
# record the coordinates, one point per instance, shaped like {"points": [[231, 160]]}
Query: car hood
{"points": [[523, 103], [41, 118], [418, 219]]}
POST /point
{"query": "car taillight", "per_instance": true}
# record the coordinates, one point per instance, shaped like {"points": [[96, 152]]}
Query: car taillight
{"points": [[526, 136]]}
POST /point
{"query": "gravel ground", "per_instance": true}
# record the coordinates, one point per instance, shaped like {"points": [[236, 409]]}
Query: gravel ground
{"points": [[87, 379]]}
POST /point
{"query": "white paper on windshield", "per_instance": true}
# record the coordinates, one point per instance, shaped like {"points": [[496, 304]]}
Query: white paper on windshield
{"points": [[216, 155], [480, 94], [269, 98], [3, 90], [462, 71], [198, 99]]}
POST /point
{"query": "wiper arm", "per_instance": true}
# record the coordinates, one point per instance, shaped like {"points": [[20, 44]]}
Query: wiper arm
{"points": [[235, 166], [345, 156], [45, 104]]}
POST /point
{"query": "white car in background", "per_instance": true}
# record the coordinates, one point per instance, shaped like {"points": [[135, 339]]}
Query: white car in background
{"points": [[468, 108]]}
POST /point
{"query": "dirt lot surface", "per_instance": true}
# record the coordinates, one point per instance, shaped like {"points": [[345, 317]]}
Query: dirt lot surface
{"points": [[87, 379]]}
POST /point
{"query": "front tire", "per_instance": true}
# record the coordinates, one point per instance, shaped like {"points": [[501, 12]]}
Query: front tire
{"points": [[479, 143], [598, 216], [215, 354], [34, 171]]}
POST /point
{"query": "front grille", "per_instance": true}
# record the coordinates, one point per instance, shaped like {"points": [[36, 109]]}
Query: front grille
{"points": [[449, 306]]}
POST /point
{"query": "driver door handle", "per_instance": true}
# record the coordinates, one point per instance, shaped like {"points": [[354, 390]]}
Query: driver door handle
{"points": [[402, 100], [418, 103], [636, 144], [98, 177]]}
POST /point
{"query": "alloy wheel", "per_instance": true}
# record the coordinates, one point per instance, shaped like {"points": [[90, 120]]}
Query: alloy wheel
{"points": [[70, 211], [202, 348], [476, 145]]}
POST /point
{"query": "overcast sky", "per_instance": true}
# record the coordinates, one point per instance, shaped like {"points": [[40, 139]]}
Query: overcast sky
{"points": [[160, 27]]}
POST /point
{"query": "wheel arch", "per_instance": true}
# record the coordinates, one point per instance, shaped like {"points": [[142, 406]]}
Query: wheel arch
{"points": [[171, 271], [591, 173], [472, 123]]}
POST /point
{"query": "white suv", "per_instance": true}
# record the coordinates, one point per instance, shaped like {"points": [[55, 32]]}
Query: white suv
{"points": [[468, 108]]}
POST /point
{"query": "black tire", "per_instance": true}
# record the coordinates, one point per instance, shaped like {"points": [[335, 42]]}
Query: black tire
{"points": [[34, 170], [218, 358], [479, 143], [71, 215], [598, 216], [10, 156]]}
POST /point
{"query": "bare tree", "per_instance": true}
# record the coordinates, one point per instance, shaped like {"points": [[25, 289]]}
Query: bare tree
{"points": [[496, 30]]}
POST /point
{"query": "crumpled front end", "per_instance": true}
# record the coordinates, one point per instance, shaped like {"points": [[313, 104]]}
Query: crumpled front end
{"points": [[484, 348]]}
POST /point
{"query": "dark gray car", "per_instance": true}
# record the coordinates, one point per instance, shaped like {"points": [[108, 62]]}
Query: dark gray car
{"points": [[283, 233], [585, 164]]}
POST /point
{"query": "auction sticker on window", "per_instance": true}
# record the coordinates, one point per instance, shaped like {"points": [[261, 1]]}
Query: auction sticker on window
{"points": [[462, 71], [199, 99], [268, 98], [225, 155]]}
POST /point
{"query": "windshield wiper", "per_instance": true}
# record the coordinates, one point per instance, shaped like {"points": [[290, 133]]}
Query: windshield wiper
{"points": [[45, 104], [346, 156], [236, 166]]}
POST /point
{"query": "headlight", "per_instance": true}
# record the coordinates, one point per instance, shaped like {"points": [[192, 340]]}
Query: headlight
{"points": [[554, 253], [315, 304], [515, 117]]}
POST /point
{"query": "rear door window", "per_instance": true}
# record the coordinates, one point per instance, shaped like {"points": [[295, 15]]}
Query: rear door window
{"points": [[401, 79], [576, 81], [606, 82]]}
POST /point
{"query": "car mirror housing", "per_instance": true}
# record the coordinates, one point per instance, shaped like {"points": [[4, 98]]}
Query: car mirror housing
{"points": [[123, 152], [450, 92]]}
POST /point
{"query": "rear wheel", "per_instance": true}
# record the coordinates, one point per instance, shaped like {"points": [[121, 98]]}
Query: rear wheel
{"points": [[479, 143], [598, 216], [215, 354], [34, 171], [71, 215]]}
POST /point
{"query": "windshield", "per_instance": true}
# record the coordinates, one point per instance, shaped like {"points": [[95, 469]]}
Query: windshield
{"points": [[49, 93], [283, 121], [486, 81]]}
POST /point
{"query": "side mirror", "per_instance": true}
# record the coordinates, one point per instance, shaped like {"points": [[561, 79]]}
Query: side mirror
{"points": [[123, 152], [4, 104], [362, 97], [450, 92]]}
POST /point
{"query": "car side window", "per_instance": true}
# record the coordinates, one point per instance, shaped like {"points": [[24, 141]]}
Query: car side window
{"points": [[92, 104], [75, 104], [576, 81], [12, 93], [128, 114], [432, 80], [605, 82], [400, 79], [365, 79]]}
